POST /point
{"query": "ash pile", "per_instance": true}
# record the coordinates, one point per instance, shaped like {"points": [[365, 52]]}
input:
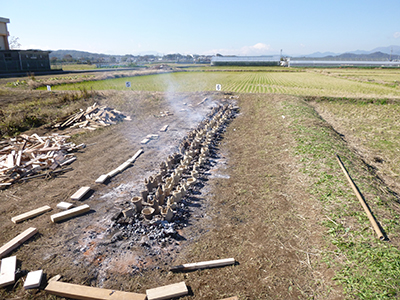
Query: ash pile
{"points": [[153, 219]]}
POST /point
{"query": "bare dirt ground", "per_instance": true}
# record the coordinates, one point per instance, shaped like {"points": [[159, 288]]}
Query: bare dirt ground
{"points": [[250, 204]]}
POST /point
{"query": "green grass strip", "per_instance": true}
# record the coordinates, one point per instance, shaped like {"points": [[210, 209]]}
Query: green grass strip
{"points": [[368, 267]]}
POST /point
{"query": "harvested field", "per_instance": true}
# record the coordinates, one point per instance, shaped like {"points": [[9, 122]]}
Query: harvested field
{"points": [[270, 195]]}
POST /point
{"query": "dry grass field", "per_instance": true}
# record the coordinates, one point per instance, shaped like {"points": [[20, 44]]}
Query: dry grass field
{"points": [[273, 196]]}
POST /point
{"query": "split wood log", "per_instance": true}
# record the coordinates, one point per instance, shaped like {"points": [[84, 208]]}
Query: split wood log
{"points": [[70, 213], [31, 214], [81, 292], [361, 199], [79, 194], [7, 271], [204, 264], [17, 241], [167, 292], [33, 279]]}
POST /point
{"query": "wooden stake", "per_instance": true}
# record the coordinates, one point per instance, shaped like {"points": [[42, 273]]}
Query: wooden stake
{"points": [[204, 264], [362, 201]]}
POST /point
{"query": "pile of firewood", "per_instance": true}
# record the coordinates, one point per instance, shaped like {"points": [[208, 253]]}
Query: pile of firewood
{"points": [[25, 156], [95, 116]]}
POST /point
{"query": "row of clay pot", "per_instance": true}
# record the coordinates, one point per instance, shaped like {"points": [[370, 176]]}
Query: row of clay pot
{"points": [[170, 191]]}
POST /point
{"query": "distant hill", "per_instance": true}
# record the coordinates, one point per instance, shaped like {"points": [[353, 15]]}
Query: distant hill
{"points": [[59, 54], [375, 56]]}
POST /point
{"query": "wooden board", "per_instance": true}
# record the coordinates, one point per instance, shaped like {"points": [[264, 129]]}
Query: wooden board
{"points": [[102, 178], [17, 241], [31, 214], [79, 194], [33, 279], [145, 141], [73, 212], [133, 158], [7, 271], [164, 128], [204, 264], [168, 291], [113, 173], [64, 205], [124, 166], [231, 298], [81, 292]]}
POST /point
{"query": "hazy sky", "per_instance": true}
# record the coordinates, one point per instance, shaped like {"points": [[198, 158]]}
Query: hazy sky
{"points": [[236, 27]]}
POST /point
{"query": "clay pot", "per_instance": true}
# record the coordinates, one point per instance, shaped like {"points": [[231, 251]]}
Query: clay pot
{"points": [[167, 213], [177, 196], [148, 212], [137, 201], [154, 204], [144, 194], [190, 181]]}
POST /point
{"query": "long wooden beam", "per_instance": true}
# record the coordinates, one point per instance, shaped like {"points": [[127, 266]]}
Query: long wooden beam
{"points": [[67, 214], [81, 292], [31, 214]]}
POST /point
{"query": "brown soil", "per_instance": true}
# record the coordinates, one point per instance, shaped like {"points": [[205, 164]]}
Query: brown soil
{"points": [[252, 205]]}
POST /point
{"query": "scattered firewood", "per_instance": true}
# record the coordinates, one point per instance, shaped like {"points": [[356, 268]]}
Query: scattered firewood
{"points": [[25, 156], [95, 116]]}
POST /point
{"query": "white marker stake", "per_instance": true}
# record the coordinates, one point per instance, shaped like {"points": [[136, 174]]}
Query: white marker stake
{"points": [[49, 88], [128, 84], [218, 87]]}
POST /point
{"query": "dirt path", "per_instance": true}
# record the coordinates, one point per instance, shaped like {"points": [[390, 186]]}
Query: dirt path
{"points": [[252, 205]]}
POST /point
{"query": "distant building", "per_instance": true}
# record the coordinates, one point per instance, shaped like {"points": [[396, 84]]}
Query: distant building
{"points": [[4, 34], [17, 61], [272, 60]]}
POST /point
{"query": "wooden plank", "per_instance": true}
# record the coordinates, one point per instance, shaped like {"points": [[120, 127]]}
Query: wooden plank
{"points": [[113, 173], [125, 165], [33, 280], [133, 158], [7, 271], [17, 241], [102, 178], [164, 128], [73, 212], [231, 298], [145, 141], [79, 194], [31, 214], [81, 292], [64, 205], [204, 264], [167, 292]]}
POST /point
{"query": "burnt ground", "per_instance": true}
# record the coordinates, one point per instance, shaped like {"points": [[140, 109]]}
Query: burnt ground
{"points": [[250, 203]]}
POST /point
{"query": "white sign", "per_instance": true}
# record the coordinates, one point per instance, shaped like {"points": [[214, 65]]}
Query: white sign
{"points": [[218, 87], [49, 88], [128, 84]]}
